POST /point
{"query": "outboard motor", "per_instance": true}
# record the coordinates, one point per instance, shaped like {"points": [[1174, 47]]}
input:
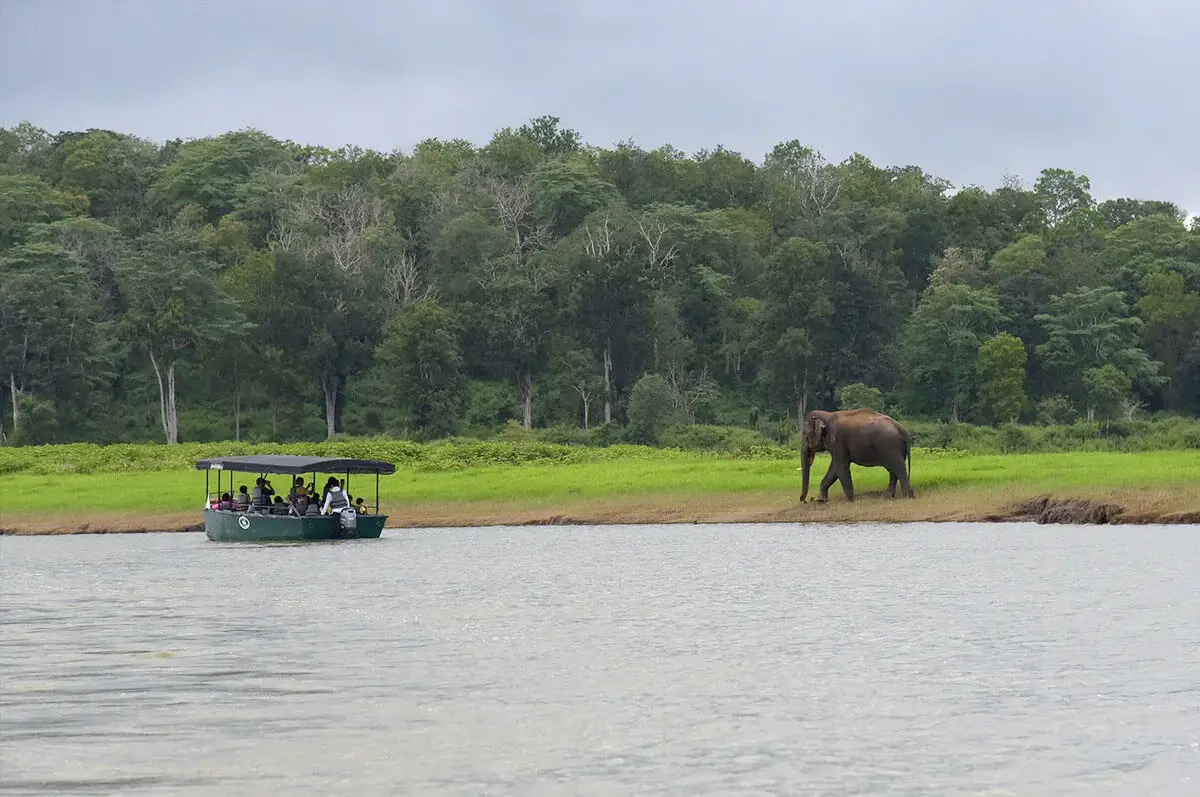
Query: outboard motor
{"points": [[348, 521]]}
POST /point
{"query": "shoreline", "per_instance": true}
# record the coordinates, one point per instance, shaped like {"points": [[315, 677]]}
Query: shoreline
{"points": [[962, 505]]}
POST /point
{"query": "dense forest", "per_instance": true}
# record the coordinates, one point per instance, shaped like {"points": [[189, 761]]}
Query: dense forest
{"points": [[243, 287]]}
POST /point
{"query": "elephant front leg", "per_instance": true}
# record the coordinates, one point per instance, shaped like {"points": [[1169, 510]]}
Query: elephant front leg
{"points": [[831, 476]]}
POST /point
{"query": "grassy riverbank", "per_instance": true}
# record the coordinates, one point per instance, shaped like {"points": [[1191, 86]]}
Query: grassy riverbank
{"points": [[642, 487]]}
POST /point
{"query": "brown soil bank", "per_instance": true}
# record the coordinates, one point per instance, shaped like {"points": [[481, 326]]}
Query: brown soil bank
{"points": [[973, 504], [1048, 509]]}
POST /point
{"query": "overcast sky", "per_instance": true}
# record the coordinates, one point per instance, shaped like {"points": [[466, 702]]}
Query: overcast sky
{"points": [[964, 88]]}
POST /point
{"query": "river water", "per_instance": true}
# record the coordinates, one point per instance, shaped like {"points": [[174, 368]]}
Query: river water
{"points": [[774, 659]]}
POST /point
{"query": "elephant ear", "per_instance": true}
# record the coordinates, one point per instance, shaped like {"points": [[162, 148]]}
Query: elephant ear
{"points": [[821, 428]]}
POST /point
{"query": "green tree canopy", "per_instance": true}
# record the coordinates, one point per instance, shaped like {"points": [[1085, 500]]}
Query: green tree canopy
{"points": [[240, 285]]}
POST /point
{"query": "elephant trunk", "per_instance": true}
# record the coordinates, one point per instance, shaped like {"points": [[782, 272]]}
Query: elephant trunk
{"points": [[806, 461]]}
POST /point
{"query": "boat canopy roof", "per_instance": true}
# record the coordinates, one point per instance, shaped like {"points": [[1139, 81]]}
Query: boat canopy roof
{"points": [[288, 463]]}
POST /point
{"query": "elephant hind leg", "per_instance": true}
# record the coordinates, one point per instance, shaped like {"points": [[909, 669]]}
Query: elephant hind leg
{"points": [[905, 486], [899, 474], [847, 482]]}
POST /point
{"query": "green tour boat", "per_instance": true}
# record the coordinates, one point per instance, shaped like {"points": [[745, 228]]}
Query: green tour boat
{"points": [[256, 513]]}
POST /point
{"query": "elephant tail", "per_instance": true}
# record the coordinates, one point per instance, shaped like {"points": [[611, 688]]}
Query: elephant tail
{"points": [[908, 458]]}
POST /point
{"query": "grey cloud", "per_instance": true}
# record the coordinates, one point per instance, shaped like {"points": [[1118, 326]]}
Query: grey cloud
{"points": [[965, 90]]}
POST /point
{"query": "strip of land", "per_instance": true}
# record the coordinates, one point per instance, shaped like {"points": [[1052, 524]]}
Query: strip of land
{"points": [[1051, 488], [956, 505]]}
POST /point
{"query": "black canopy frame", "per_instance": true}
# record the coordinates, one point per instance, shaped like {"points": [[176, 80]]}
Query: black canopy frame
{"points": [[293, 464]]}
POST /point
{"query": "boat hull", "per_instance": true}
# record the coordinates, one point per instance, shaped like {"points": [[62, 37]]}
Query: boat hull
{"points": [[226, 526]]}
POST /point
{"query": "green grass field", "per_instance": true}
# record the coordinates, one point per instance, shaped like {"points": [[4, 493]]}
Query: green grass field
{"points": [[147, 492]]}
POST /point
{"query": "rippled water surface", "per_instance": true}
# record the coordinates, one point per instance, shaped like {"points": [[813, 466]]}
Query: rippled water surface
{"points": [[919, 659]]}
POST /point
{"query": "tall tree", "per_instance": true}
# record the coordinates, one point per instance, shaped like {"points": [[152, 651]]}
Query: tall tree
{"points": [[608, 301], [50, 342], [209, 172], [176, 309], [1125, 210], [113, 170], [1171, 329], [1061, 192], [800, 186], [941, 345], [343, 239], [421, 364], [518, 312], [1089, 329], [797, 319], [1002, 368]]}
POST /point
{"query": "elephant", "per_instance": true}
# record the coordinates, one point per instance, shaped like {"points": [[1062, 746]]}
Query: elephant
{"points": [[862, 437]]}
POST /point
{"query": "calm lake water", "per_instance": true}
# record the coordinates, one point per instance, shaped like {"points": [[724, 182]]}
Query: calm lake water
{"points": [[781, 659]]}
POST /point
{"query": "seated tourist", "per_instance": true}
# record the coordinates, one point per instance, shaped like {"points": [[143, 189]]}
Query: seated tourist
{"points": [[359, 506], [241, 501], [312, 509], [298, 490], [260, 499], [279, 506], [226, 502]]}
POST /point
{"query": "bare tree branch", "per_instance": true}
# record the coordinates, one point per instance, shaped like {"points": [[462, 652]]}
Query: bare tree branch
{"points": [[855, 258], [403, 280], [659, 253], [453, 198], [348, 215], [600, 242], [820, 185], [812, 184], [513, 205], [1012, 181], [343, 225], [687, 388]]}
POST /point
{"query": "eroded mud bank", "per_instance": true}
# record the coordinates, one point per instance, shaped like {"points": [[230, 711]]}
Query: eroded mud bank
{"points": [[742, 508], [1048, 509]]}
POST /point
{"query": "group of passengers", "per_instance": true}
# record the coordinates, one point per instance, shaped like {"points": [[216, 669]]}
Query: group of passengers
{"points": [[301, 500]]}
